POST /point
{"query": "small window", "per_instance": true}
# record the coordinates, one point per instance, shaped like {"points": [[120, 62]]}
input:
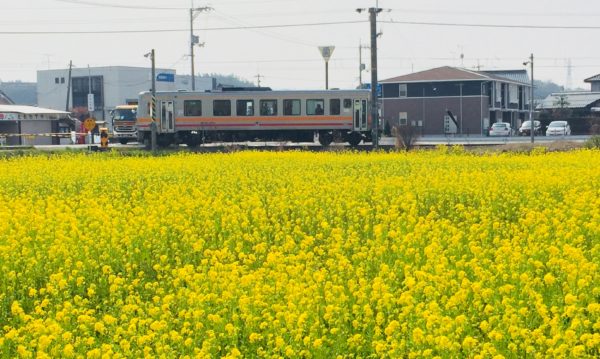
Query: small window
{"points": [[403, 118], [192, 108], [62, 80], [222, 108], [291, 107], [334, 106], [403, 90], [347, 103], [245, 107], [268, 107], [315, 107], [56, 80]]}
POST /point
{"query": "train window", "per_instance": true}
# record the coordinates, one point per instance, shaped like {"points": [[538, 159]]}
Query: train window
{"points": [[192, 108], [222, 108], [334, 106], [245, 107], [347, 103], [291, 107], [268, 107], [315, 107]]}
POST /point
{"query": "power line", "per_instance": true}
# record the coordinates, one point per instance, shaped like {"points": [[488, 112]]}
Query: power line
{"points": [[178, 30], [99, 4], [493, 25], [548, 27], [496, 13]]}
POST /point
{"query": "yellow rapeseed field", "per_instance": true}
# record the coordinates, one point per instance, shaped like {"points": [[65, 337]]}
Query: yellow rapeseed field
{"points": [[301, 255]]}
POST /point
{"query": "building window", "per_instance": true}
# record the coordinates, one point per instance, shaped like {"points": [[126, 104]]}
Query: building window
{"points": [[315, 107], [56, 80], [62, 80], [245, 107], [291, 107], [81, 88], [403, 90], [222, 108], [268, 107], [192, 108], [334, 106], [403, 118]]}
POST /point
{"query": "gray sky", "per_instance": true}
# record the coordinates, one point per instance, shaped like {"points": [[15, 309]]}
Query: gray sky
{"points": [[288, 57]]}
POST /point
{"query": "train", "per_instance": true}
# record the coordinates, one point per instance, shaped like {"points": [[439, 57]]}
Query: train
{"points": [[255, 114]]}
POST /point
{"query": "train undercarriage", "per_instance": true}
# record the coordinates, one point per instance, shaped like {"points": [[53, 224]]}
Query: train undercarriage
{"points": [[196, 138]]}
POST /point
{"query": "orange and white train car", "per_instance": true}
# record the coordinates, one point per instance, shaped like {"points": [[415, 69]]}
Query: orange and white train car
{"points": [[264, 115]]}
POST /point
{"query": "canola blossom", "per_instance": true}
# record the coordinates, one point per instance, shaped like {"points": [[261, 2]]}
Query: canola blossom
{"points": [[301, 255]]}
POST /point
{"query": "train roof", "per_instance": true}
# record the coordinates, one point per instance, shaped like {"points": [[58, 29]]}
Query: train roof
{"points": [[254, 92]]}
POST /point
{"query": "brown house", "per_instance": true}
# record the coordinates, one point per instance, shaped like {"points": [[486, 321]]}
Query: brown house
{"points": [[456, 101]]}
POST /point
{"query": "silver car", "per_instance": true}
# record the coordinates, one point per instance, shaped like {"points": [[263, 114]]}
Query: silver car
{"points": [[501, 129], [558, 128]]}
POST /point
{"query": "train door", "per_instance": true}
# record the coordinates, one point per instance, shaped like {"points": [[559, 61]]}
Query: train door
{"points": [[360, 115], [167, 121]]}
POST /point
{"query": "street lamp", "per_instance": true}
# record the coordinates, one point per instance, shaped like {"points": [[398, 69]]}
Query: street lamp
{"points": [[532, 129], [194, 39]]}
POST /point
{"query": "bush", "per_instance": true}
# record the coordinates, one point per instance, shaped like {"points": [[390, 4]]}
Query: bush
{"points": [[593, 142]]}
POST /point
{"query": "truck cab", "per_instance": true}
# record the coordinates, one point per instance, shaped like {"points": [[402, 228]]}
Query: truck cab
{"points": [[123, 123]]}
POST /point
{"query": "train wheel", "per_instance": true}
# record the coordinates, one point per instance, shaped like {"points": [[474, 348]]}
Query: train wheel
{"points": [[163, 140], [325, 138], [193, 142], [354, 139]]}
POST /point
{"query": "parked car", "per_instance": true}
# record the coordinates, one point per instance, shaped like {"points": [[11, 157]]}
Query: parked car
{"points": [[558, 128], [525, 129], [501, 129]]}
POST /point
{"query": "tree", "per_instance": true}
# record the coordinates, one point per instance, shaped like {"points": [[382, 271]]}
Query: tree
{"points": [[561, 107]]}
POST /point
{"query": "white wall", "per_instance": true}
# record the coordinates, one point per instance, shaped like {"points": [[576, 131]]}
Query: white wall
{"points": [[120, 83]]}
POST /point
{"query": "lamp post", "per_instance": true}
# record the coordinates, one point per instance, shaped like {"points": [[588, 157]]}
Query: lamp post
{"points": [[194, 39], [532, 129]]}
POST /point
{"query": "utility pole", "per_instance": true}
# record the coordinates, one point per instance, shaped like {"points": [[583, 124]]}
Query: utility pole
{"points": [[194, 39], [531, 122], [153, 125], [69, 85], [373, 11]]}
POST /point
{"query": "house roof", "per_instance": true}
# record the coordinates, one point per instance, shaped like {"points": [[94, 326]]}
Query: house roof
{"points": [[593, 78], [4, 99], [520, 76], [30, 110], [448, 73], [569, 99], [445, 73]]}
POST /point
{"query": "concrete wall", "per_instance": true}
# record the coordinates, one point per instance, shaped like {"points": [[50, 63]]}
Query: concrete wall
{"points": [[431, 111]]}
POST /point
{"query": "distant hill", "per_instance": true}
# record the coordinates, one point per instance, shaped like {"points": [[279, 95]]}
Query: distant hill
{"points": [[22, 93]]}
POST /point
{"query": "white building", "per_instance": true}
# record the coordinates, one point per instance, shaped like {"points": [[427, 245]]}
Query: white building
{"points": [[111, 86], [29, 125]]}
